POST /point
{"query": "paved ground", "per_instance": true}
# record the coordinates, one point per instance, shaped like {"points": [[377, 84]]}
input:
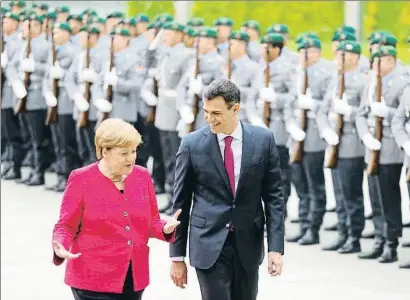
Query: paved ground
{"points": [[28, 216]]}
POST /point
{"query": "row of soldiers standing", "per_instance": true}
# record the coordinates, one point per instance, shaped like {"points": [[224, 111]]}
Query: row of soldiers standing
{"points": [[63, 73]]}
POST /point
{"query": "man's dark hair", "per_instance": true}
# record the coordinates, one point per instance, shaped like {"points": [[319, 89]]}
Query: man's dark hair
{"points": [[224, 88]]}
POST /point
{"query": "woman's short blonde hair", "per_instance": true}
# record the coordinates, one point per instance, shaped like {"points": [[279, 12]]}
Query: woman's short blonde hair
{"points": [[112, 133]]}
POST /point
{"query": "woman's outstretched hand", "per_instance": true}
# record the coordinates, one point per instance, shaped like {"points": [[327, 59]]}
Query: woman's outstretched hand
{"points": [[172, 223], [62, 252]]}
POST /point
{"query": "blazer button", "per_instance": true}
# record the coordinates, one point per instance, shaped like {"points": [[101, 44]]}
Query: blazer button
{"points": [[127, 228], [125, 214], [129, 242], [227, 225]]}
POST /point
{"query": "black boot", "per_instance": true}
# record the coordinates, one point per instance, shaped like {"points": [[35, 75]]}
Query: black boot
{"points": [[25, 179], [61, 185], [333, 227], [36, 180], [352, 245], [338, 243], [13, 174], [405, 265], [376, 251], [295, 238], [406, 245], [6, 168], [369, 235], [389, 254], [311, 237]]}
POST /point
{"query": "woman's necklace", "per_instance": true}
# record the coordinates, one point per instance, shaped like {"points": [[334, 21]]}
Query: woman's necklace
{"points": [[119, 180]]}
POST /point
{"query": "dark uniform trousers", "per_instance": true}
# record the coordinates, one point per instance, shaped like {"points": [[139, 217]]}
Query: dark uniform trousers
{"points": [[286, 172], [85, 141], [300, 182], [169, 145], [143, 154], [27, 141]]}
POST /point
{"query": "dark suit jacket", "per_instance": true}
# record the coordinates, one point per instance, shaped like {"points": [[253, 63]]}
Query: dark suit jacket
{"points": [[200, 171]]}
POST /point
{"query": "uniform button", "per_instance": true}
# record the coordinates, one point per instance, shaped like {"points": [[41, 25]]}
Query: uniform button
{"points": [[227, 225], [125, 214], [127, 228], [129, 242]]}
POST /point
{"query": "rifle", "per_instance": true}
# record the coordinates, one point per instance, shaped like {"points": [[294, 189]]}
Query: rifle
{"points": [[334, 150], [22, 103], [3, 46], [195, 109], [229, 61], [297, 155], [375, 155], [52, 112], [153, 109], [266, 105], [83, 117], [109, 93]]}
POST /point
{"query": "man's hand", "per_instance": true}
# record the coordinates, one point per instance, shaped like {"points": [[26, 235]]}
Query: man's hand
{"points": [[275, 263], [179, 273]]}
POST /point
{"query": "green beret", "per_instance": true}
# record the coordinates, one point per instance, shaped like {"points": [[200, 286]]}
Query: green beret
{"points": [[349, 46], [152, 25], [173, 26], [62, 9], [33, 17], [343, 36], [89, 12], [91, 29], [347, 28], [278, 28], [52, 15], [239, 35], [84, 29], [10, 15], [130, 21], [116, 14], [387, 51], [142, 18], [223, 21], [309, 43], [76, 17], [121, 31], [273, 38], [98, 20], [164, 18], [208, 32], [188, 30], [63, 26], [4, 10], [197, 21], [253, 24], [383, 32], [384, 39], [42, 6], [306, 35], [18, 3]]}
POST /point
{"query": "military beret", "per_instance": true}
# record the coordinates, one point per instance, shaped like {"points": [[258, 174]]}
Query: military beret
{"points": [[208, 32], [62, 9], [98, 20], [91, 29], [121, 31], [116, 14], [130, 21], [63, 26], [173, 26], [309, 43], [384, 39], [223, 21], [239, 35], [347, 28], [253, 24], [4, 10], [164, 18], [387, 51], [10, 15], [273, 38], [188, 30], [141, 18], [371, 36], [89, 12], [349, 46], [278, 28], [343, 36], [33, 17], [52, 15], [306, 35], [42, 6], [152, 25], [18, 3], [197, 21], [84, 29], [76, 17]]}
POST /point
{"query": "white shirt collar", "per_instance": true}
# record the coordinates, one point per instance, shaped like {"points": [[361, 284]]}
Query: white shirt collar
{"points": [[236, 134]]}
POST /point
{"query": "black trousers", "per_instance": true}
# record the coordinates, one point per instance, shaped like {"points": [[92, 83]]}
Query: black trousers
{"points": [[153, 147], [27, 137], [226, 279], [143, 150], [128, 292], [169, 145], [286, 171], [385, 199], [301, 186], [12, 137], [85, 141], [350, 204], [65, 145]]}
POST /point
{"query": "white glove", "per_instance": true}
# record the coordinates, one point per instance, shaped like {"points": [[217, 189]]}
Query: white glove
{"points": [[19, 89], [103, 105], [267, 94], [89, 75], [155, 43], [4, 59], [330, 136], [168, 93], [296, 133], [406, 147], [342, 108], [379, 109], [196, 86], [28, 64], [152, 72], [111, 78], [258, 122], [181, 129], [56, 72], [149, 97], [371, 143], [306, 102], [187, 115], [80, 102], [51, 100]]}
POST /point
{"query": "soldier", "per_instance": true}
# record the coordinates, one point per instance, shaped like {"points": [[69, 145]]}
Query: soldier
{"points": [[284, 31], [197, 23], [343, 99], [41, 9], [140, 41], [310, 180], [274, 87], [253, 28], [75, 21], [10, 122], [111, 22], [379, 102], [87, 15], [80, 78], [224, 28], [34, 112], [189, 37], [17, 7], [63, 128], [63, 13]]}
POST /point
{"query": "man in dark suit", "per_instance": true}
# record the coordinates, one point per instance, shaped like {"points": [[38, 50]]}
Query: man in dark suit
{"points": [[224, 170]]}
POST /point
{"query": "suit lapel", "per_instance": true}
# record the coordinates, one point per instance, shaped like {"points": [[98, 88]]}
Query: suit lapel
{"points": [[248, 146]]}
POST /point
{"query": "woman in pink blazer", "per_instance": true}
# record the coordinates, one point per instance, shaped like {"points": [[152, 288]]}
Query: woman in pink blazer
{"points": [[108, 213]]}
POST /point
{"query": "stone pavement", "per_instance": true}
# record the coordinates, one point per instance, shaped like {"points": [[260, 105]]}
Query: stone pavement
{"points": [[28, 216]]}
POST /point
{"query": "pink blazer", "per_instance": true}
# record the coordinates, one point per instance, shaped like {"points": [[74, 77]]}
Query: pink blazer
{"points": [[110, 229]]}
